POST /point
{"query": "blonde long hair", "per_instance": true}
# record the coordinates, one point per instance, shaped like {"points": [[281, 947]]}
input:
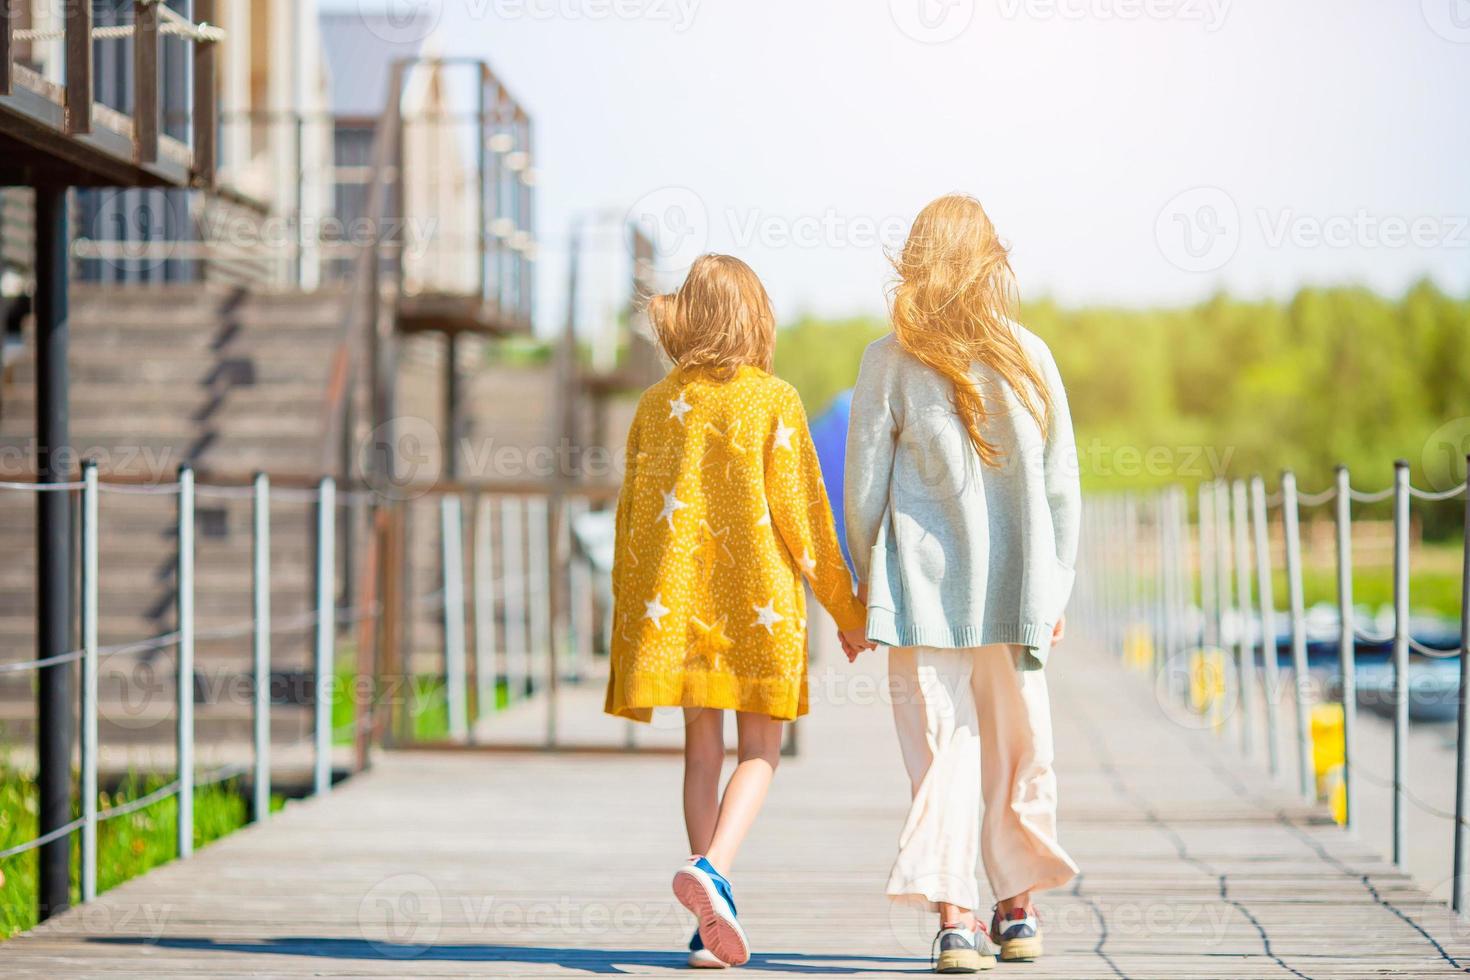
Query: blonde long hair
{"points": [[719, 320], [952, 306]]}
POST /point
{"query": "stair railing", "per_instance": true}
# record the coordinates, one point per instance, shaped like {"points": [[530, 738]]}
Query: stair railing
{"points": [[363, 325]]}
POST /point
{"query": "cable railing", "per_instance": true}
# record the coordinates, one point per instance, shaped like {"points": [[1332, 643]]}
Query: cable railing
{"points": [[510, 594], [1183, 600], [172, 22]]}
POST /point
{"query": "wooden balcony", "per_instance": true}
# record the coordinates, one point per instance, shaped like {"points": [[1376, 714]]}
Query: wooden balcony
{"points": [[455, 313], [57, 134]]}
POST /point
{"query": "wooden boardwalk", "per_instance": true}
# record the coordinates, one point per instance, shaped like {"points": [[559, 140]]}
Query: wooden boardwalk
{"points": [[535, 864]]}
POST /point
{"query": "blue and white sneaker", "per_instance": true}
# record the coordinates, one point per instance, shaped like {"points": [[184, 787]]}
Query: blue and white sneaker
{"points": [[1018, 933], [961, 950], [701, 958], [705, 892]]}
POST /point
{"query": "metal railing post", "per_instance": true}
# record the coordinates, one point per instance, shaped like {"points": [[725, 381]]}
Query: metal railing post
{"points": [[1291, 524], [1222, 559], [185, 664], [1264, 590], [1346, 644], [260, 584], [1222, 586], [1245, 654], [1184, 579], [1400, 653], [89, 680], [452, 558], [487, 681], [1096, 574], [513, 593], [1462, 722], [1161, 581], [1166, 580], [326, 631], [1117, 572], [1130, 572], [1106, 580], [1182, 588], [538, 572], [580, 599], [1209, 595], [553, 580]]}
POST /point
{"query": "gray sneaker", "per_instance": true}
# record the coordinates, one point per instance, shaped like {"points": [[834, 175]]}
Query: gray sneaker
{"points": [[960, 950], [1019, 935]]}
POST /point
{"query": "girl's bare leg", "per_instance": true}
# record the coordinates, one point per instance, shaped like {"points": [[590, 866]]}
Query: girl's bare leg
{"points": [[953, 915], [760, 752], [1021, 901], [704, 755]]}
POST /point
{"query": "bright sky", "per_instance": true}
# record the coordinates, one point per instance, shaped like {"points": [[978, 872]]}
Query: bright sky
{"points": [[1132, 151]]}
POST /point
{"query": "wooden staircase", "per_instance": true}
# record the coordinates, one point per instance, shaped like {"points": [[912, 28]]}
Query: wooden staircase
{"points": [[226, 380], [232, 382]]}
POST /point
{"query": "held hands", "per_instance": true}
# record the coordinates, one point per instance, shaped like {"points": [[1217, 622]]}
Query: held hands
{"points": [[854, 642]]}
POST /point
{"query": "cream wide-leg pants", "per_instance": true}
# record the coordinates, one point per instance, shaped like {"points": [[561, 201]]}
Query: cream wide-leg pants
{"points": [[973, 727]]}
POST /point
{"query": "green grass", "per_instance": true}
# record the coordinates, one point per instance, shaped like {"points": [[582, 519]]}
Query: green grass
{"points": [[1435, 592], [1434, 582], [132, 844], [431, 707], [127, 846], [428, 706]]}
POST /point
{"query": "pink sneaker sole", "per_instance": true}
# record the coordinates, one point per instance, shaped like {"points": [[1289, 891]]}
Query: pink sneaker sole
{"points": [[722, 937]]}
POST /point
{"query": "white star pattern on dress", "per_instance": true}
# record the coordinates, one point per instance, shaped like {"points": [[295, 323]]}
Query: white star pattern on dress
{"points": [[671, 504], [784, 433], [678, 408], [767, 616], [714, 517], [656, 611], [725, 446], [714, 549]]}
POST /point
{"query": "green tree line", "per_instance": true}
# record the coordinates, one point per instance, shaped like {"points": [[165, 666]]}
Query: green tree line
{"points": [[1232, 387]]}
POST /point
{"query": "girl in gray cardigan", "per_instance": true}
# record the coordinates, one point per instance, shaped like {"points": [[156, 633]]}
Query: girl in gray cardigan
{"points": [[962, 507]]}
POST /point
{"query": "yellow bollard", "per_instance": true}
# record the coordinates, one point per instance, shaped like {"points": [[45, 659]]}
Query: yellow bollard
{"points": [[1138, 648], [1206, 679], [1328, 754]]}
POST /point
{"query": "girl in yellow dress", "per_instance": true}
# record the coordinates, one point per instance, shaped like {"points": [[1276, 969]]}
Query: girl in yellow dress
{"points": [[721, 516]]}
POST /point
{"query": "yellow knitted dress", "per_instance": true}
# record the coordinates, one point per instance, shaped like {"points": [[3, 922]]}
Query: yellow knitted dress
{"points": [[721, 514]]}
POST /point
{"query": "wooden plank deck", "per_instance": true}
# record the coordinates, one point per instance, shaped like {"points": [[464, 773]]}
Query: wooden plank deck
{"points": [[537, 864]]}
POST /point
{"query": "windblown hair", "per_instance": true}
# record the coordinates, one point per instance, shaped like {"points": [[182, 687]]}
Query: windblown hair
{"points": [[719, 320], [952, 306]]}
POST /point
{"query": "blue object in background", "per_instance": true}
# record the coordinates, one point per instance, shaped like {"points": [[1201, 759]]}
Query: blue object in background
{"points": [[829, 434]]}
